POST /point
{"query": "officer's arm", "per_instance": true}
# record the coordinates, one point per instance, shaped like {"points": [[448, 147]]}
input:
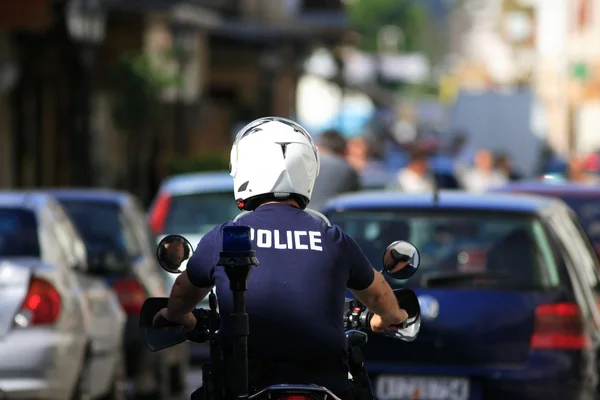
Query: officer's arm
{"points": [[185, 296], [379, 298]]}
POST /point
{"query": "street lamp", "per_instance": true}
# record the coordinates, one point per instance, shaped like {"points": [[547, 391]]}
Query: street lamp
{"points": [[185, 43], [86, 24]]}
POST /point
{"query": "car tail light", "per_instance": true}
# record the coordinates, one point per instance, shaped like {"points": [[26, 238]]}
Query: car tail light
{"points": [[559, 326], [41, 305], [131, 295], [159, 212]]}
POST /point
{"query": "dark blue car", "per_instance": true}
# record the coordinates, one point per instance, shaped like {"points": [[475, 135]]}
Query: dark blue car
{"points": [[583, 199], [508, 290]]}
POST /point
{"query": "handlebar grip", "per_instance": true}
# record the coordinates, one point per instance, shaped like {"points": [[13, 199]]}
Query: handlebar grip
{"points": [[368, 319], [162, 322]]}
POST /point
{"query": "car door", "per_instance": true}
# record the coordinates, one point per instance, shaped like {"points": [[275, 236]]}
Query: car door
{"points": [[106, 317]]}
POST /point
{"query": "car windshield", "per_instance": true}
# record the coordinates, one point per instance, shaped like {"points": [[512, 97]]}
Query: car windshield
{"points": [[198, 213], [588, 211], [513, 249], [18, 233], [98, 222]]}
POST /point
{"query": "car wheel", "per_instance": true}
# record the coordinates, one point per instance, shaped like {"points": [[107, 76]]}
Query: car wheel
{"points": [[118, 390], [82, 388]]}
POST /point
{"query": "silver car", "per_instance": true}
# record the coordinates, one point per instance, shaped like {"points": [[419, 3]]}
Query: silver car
{"points": [[60, 327]]}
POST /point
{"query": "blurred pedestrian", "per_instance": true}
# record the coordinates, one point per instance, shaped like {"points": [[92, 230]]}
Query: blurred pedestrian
{"points": [[576, 172], [415, 177], [462, 153], [483, 176], [504, 166], [361, 154], [336, 175], [591, 163]]}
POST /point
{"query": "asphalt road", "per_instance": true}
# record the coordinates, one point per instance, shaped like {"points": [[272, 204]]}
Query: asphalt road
{"points": [[194, 380]]}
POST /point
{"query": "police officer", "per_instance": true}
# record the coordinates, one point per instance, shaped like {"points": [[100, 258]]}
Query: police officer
{"points": [[295, 297]]}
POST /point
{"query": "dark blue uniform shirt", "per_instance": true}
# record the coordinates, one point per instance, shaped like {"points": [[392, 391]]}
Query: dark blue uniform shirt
{"points": [[295, 296]]}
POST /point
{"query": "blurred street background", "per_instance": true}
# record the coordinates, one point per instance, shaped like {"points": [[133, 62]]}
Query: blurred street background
{"points": [[122, 94], [136, 102]]}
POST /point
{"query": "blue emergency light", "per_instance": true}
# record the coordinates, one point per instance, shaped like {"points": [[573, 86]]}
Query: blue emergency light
{"points": [[236, 239]]}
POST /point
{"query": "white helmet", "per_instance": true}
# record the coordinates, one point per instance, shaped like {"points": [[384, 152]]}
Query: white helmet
{"points": [[273, 157]]}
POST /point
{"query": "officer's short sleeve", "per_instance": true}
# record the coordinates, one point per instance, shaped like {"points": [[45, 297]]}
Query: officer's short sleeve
{"points": [[201, 266], [361, 273]]}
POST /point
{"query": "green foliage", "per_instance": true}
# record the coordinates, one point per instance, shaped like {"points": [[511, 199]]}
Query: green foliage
{"points": [[138, 86], [213, 162], [422, 91], [368, 16]]}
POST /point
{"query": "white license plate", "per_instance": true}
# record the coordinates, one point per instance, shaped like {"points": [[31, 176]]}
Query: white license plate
{"points": [[394, 387]]}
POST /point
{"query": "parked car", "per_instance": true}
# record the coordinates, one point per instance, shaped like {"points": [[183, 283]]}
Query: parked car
{"points": [[583, 199], [115, 230], [524, 325], [60, 326], [192, 204]]}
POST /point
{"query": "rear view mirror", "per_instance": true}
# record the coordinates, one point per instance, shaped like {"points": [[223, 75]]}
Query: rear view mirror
{"points": [[173, 252], [401, 260]]}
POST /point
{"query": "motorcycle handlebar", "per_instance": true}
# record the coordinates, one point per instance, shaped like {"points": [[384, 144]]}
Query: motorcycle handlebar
{"points": [[356, 316], [200, 334]]}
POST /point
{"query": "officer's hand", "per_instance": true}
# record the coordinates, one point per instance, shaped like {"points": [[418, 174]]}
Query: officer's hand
{"points": [[188, 321], [378, 324]]}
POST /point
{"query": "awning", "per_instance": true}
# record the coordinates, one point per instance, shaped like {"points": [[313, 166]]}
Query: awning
{"points": [[34, 15], [304, 27], [189, 12]]}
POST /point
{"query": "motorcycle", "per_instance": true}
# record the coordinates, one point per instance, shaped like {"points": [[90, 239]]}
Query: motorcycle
{"points": [[400, 261]]}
